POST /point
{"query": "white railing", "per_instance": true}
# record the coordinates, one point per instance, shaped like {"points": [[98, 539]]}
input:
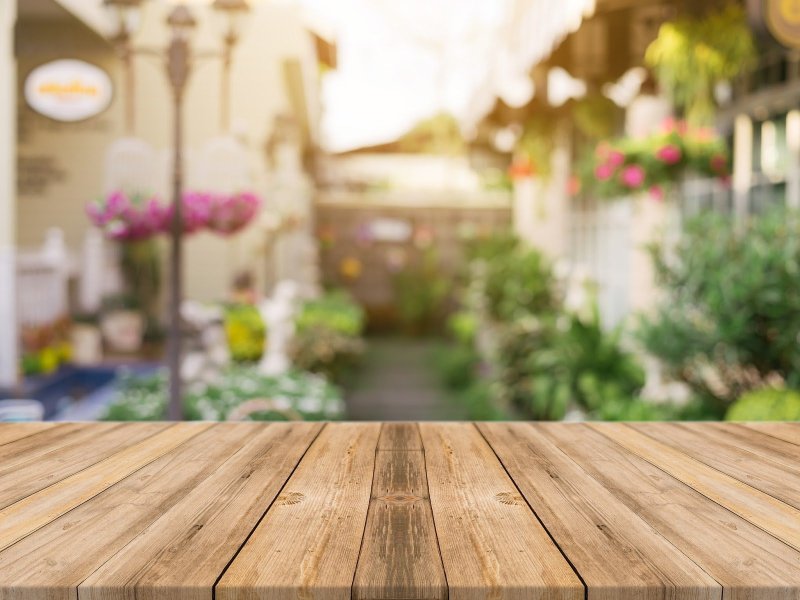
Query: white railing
{"points": [[43, 283]]}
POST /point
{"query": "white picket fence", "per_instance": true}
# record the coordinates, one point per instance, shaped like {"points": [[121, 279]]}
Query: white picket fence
{"points": [[42, 282]]}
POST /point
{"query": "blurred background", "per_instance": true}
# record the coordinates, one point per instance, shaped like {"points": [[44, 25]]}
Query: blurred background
{"points": [[363, 209]]}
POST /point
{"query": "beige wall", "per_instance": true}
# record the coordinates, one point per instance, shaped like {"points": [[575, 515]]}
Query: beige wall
{"points": [[274, 33], [68, 155]]}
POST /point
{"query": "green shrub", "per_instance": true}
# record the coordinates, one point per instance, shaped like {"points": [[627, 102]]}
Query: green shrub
{"points": [[766, 405], [519, 283], [730, 318], [420, 291], [325, 351], [335, 310], [547, 366], [457, 365], [303, 394], [463, 326]]}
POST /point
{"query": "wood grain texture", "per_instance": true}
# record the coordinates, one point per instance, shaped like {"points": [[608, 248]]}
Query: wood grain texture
{"points": [[196, 538], [788, 432], [51, 562], [747, 561], [757, 507], [724, 450], [307, 545], [36, 510], [401, 511], [400, 436], [491, 543], [32, 471], [617, 554], [10, 432], [399, 556]]}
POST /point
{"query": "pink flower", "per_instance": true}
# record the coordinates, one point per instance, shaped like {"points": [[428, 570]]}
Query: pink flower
{"points": [[719, 164], [229, 214], [633, 176], [604, 172], [669, 154], [657, 192], [615, 159]]}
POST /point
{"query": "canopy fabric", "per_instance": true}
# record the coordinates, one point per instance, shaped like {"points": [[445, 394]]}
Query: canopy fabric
{"points": [[400, 62]]}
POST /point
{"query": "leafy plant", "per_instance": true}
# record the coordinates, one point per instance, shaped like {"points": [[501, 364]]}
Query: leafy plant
{"points": [[326, 351], [730, 318], [518, 283], [690, 56], [550, 365], [335, 310], [630, 165], [245, 331], [420, 291], [767, 404]]}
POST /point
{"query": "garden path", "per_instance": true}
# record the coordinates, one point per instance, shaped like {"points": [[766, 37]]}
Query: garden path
{"points": [[398, 382]]}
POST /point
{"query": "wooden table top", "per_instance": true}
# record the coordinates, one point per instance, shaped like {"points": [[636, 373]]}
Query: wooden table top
{"points": [[370, 511]]}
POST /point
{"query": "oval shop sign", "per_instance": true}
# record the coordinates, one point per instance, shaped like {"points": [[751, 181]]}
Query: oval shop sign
{"points": [[68, 90]]}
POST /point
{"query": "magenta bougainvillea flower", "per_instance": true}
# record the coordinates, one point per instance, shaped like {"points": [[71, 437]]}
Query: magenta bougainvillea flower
{"points": [[229, 214], [126, 218], [669, 154], [132, 218], [632, 176]]}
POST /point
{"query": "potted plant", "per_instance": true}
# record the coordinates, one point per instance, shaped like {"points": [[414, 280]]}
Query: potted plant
{"points": [[122, 323], [86, 340]]}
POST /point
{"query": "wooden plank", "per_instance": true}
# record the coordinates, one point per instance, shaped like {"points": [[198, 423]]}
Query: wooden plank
{"points": [[32, 471], [772, 515], [195, 539], [617, 554], [748, 562], [399, 554], [36, 510], [788, 432], [10, 432], [50, 563], [492, 545], [51, 438], [724, 451], [400, 436], [308, 543], [752, 440]]}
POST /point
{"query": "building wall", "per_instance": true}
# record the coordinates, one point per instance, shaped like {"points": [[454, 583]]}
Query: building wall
{"points": [[61, 165]]}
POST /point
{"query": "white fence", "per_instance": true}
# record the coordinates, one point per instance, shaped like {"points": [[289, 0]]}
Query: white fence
{"points": [[43, 283]]}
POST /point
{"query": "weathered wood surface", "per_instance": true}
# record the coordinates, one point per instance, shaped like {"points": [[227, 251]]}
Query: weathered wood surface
{"points": [[403, 511]]}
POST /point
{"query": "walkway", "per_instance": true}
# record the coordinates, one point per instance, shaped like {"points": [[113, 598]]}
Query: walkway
{"points": [[398, 382]]}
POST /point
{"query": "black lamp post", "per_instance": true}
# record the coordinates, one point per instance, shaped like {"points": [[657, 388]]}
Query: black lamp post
{"points": [[179, 61]]}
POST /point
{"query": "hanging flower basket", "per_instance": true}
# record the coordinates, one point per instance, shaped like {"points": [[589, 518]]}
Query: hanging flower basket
{"points": [[132, 218], [230, 214], [628, 166]]}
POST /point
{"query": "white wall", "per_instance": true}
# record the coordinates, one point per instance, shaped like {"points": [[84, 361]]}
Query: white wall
{"points": [[8, 86]]}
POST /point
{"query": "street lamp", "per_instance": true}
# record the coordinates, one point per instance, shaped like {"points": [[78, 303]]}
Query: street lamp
{"points": [[126, 13], [233, 12], [179, 61]]}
